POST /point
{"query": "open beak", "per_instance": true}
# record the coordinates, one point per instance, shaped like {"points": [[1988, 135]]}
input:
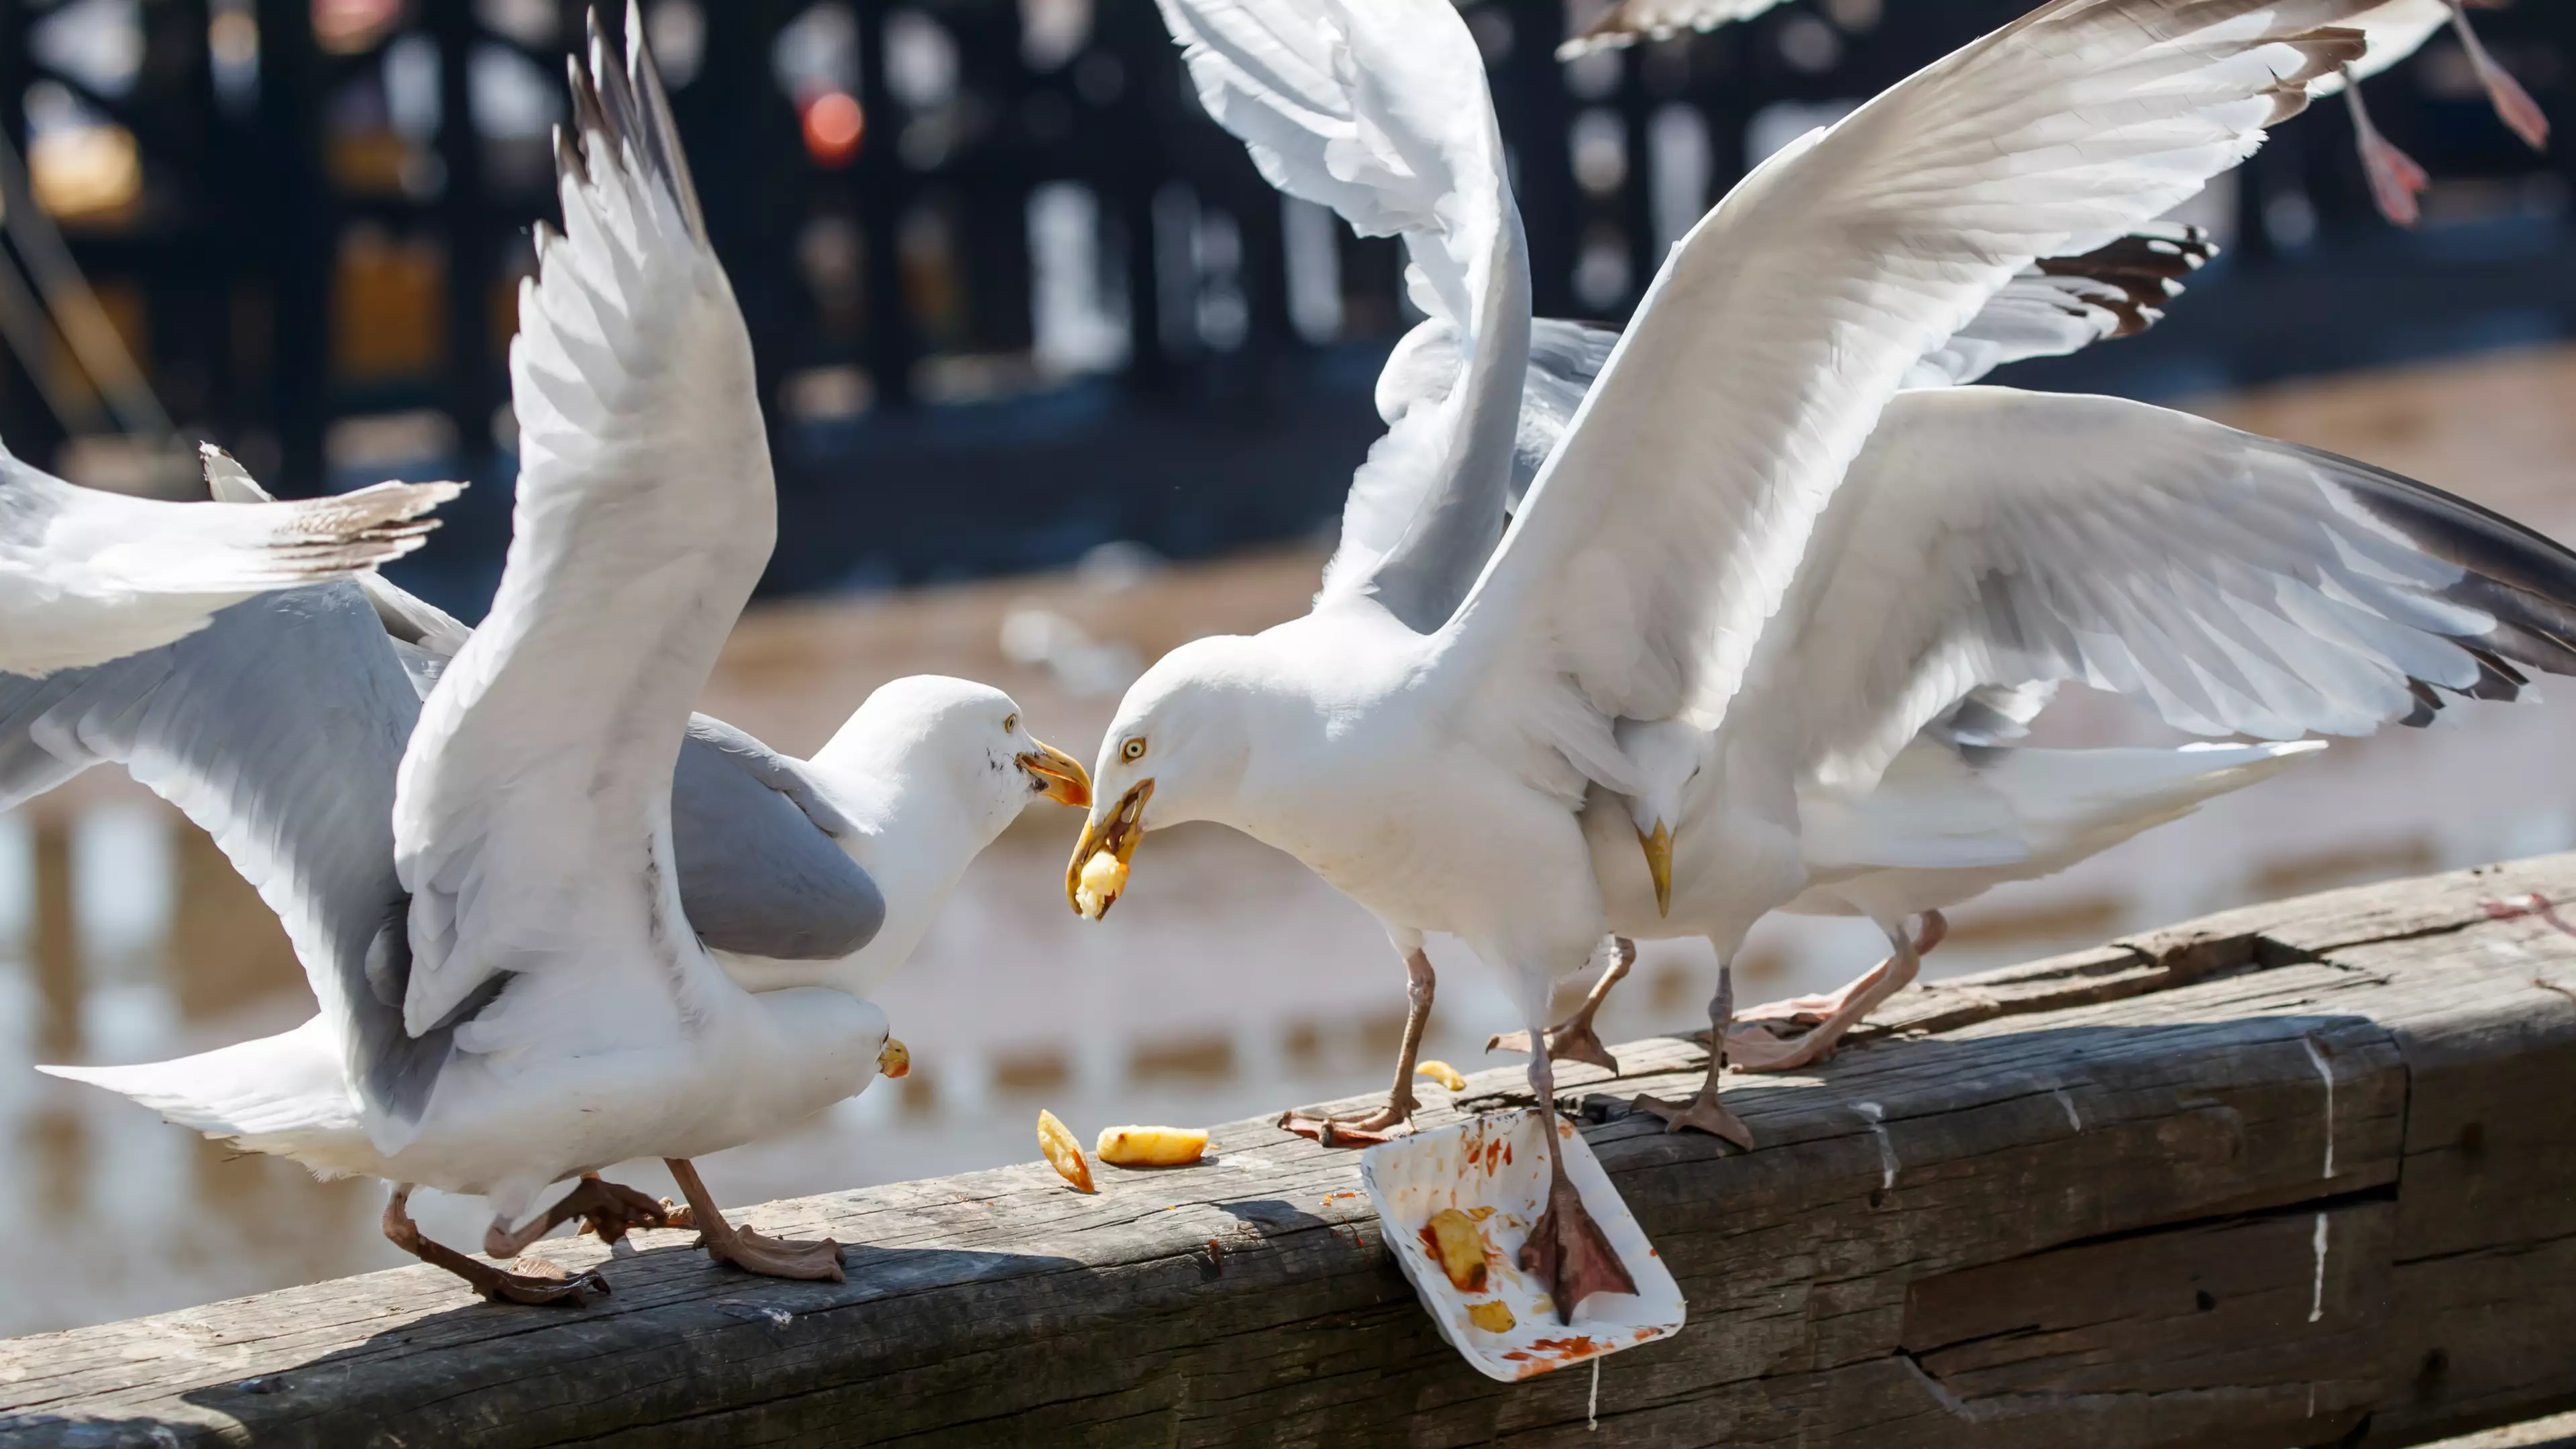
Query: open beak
{"points": [[1659, 864], [1098, 872], [1059, 776], [894, 1061]]}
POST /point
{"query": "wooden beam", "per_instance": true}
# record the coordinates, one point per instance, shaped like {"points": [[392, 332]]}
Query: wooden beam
{"points": [[2299, 1175]]}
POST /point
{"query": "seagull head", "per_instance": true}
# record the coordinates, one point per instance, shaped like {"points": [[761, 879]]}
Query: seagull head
{"points": [[1666, 755], [1179, 744], [968, 741]]}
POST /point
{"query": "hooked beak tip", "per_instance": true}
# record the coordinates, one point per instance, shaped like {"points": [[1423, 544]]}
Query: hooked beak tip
{"points": [[1659, 864], [1059, 776]]}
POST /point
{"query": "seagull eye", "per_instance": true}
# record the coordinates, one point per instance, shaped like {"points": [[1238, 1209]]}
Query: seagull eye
{"points": [[1010, 723], [1132, 751]]}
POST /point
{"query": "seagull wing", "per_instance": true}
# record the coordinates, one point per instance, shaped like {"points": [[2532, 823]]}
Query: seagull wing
{"points": [[1667, 527], [277, 729], [407, 616], [87, 576], [532, 822], [1378, 109], [1630, 21], [1991, 538]]}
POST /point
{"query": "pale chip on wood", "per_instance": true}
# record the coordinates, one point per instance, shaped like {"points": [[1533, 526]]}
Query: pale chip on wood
{"points": [[1063, 1153], [1151, 1146]]}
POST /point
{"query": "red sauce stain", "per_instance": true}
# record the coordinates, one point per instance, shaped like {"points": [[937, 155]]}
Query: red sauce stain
{"points": [[1430, 1242], [2534, 904], [1507, 1154], [1517, 1356], [1493, 1154], [1581, 1343], [1331, 1198]]}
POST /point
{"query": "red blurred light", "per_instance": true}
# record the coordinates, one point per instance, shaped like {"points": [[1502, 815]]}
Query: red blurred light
{"points": [[833, 128]]}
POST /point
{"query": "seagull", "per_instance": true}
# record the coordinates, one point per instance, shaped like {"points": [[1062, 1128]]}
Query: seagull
{"points": [[1429, 753], [1998, 544], [485, 885], [87, 576], [2394, 30]]}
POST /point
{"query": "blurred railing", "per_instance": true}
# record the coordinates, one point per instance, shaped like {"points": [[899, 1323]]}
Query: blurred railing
{"points": [[1012, 294]]}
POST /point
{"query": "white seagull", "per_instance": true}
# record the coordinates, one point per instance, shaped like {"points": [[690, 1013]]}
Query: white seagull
{"points": [[88, 576], [2395, 30], [485, 886], [1430, 756]]}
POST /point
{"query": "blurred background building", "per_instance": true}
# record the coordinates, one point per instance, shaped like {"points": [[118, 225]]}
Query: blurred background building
{"points": [[1032, 330]]}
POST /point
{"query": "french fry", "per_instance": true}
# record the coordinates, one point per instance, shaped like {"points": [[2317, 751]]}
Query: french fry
{"points": [[1443, 1073], [1493, 1316], [1103, 876], [1063, 1153], [1150, 1146], [1460, 1246]]}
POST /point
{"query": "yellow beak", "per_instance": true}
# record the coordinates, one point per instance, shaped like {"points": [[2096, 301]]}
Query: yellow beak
{"points": [[1097, 874], [1659, 864], [1059, 776], [895, 1060]]}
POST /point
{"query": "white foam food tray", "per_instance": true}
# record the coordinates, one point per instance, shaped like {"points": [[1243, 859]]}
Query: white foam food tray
{"points": [[1494, 1168]]}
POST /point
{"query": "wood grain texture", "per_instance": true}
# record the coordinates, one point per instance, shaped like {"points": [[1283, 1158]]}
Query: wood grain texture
{"points": [[2297, 1175]]}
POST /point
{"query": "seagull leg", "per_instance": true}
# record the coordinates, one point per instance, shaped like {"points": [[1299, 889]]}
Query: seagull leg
{"points": [[1813, 1010], [1704, 1111], [1760, 1049], [2395, 179], [604, 1208], [1363, 1129], [2513, 105], [1566, 1249], [1574, 1037], [750, 1251], [542, 1283]]}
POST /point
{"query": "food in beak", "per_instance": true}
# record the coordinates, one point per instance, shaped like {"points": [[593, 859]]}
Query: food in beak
{"points": [[1150, 1146], [1063, 1153], [1659, 864], [1460, 1246], [1098, 870], [1057, 775], [895, 1060], [1103, 877], [1443, 1073]]}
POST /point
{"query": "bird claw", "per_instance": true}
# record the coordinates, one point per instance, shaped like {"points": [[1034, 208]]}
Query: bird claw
{"points": [[1703, 1112], [1567, 1250], [1574, 1041], [2395, 179], [1366, 1130], [1758, 1049], [611, 1211], [818, 1262], [537, 1283]]}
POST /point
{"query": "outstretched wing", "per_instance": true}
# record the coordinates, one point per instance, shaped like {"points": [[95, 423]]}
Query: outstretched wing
{"points": [[1630, 21], [277, 729], [1666, 528], [1996, 540], [1378, 109], [88, 576], [532, 823]]}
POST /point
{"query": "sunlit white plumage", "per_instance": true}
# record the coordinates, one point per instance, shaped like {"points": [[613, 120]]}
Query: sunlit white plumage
{"points": [[491, 905], [2394, 30], [88, 576], [1431, 763]]}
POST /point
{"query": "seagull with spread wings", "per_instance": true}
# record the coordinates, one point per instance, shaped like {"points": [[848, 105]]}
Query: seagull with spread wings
{"points": [[496, 908], [87, 576], [2395, 29], [1430, 754]]}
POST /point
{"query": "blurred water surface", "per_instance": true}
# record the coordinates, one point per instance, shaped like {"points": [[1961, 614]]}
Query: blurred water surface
{"points": [[1229, 982]]}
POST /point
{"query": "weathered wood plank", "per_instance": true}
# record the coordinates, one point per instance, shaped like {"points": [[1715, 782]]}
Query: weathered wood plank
{"points": [[2074, 1202]]}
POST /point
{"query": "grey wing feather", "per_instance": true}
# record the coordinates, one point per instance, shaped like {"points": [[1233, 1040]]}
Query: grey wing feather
{"points": [[277, 729], [760, 874]]}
